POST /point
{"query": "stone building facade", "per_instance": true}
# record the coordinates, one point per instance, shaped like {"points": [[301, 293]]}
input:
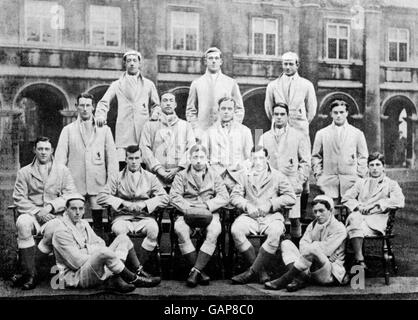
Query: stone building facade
{"points": [[362, 51]]}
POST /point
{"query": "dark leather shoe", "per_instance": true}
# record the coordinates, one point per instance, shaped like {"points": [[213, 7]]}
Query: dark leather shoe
{"points": [[143, 282], [204, 279], [18, 280], [193, 278], [277, 284], [29, 284], [117, 284], [263, 277], [296, 285], [245, 277], [143, 273]]}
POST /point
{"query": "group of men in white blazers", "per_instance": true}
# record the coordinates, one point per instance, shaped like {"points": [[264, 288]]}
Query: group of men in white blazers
{"points": [[199, 166]]}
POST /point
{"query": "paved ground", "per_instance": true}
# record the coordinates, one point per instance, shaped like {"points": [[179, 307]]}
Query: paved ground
{"points": [[399, 288]]}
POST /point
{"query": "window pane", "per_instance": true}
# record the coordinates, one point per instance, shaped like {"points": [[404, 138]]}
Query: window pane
{"points": [[270, 44], [48, 34], [343, 32], [191, 39], [332, 31], [403, 52], [258, 43], [178, 40], [393, 34], [112, 36], [97, 37], [33, 29], [192, 19], [332, 48], [393, 51], [177, 18], [343, 52], [403, 35], [270, 26], [258, 25]]}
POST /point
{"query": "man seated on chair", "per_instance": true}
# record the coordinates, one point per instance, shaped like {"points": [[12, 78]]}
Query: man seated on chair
{"points": [[198, 192], [289, 152], [134, 194], [168, 139], [84, 261], [368, 203], [321, 252], [39, 196], [260, 194], [228, 143]]}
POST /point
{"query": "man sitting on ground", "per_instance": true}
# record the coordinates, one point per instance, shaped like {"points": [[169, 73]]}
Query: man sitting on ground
{"points": [[84, 261]]}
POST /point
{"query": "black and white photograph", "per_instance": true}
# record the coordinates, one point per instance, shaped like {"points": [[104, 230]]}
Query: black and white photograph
{"points": [[208, 158]]}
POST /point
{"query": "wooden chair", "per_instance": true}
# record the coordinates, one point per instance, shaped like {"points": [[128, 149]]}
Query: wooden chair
{"points": [[387, 255], [198, 235]]}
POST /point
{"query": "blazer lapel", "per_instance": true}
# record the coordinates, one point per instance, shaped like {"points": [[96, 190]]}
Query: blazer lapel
{"points": [[75, 232]]}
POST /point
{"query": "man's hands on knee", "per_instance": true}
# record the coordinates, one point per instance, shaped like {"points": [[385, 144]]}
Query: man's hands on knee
{"points": [[44, 215]]}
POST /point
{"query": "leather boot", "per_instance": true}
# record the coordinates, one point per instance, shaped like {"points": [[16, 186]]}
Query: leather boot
{"points": [[97, 216], [28, 267], [249, 255], [304, 197], [247, 276], [263, 276], [190, 258], [143, 256], [259, 265], [116, 284], [193, 278], [300, 282], [202, 260], [284, 280]]}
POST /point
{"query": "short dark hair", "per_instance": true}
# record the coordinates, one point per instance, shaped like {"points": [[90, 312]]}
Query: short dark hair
{"points": [[337, 103], [42, 139], [85, 95], [223, 99], [376, 156], [198, 147], [132, 149], [168, 92], [325, 203], [281, 105], [258, 148]]}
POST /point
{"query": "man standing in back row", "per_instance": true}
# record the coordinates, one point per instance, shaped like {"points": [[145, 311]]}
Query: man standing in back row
{"points": [[205, 92], [299, 94]]}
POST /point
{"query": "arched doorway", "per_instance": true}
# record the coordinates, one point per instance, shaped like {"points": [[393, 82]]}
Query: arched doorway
{"points": [[98, 92], [398, 112], [181, 93], [40, 104], [255, 115], [323, 118]]}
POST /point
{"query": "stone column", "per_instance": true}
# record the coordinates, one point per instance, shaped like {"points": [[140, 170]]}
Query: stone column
{"points": [[372, 119], [309, 29], [9, 164]]}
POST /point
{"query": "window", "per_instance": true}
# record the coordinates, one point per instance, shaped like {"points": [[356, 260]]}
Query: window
{"points": [[105, 26], [42, 21], [338, 36], [184, 31], [264, 36], [398, 44]]}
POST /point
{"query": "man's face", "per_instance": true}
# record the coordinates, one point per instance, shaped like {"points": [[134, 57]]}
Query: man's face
{"points": [[259, 161], [226, 111], [289, 67], [75, 210], [321, 213], [85, 108], [199, 160], [280, 117], [168, 103], [133, 161], [213, 61], [132, 64], [339, 115], [43, 151], [376, 168]]}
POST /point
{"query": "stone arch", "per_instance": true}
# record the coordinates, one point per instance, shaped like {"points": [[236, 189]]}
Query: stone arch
{"points": [[399, 115], [181, 93], [255, 115], [41, 104]]}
